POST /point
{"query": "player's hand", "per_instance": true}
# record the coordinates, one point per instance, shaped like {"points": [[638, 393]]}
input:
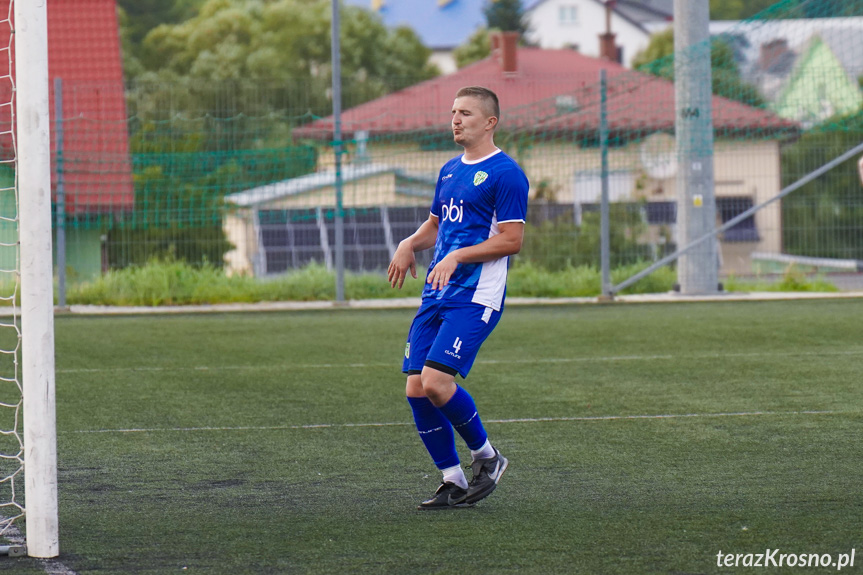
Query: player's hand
{"points": [[403, 260], [442, 272]]}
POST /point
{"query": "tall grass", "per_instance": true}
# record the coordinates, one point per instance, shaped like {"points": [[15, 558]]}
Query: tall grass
{"points": [[528, 280], [172, 282], [793, 280], [178, 283]]}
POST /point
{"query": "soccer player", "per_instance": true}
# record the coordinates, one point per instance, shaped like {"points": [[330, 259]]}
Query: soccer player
{"points": [[476, 222]]}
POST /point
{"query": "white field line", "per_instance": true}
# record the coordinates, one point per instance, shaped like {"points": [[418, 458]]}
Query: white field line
{"points": [[586, 418], [394, 364]]}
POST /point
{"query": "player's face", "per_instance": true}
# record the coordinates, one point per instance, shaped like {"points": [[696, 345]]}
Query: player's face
{"points": [[470, 122]]}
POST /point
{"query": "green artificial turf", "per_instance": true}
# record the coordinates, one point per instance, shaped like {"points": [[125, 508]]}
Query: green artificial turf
{"points": [[282, 443]]}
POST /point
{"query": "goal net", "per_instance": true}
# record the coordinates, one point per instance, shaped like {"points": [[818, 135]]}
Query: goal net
{"points": [[11, 396]]}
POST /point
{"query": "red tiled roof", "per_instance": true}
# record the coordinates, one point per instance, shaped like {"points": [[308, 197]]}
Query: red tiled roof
{"points": [[552, 91], [84, 50]]}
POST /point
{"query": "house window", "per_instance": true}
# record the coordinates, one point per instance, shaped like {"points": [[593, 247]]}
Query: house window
{"points": [[744, 231], [658, 213], [568, 14]]}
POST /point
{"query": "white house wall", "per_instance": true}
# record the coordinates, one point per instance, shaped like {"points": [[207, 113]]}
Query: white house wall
{"points": [[548, 32], [239, 231]]}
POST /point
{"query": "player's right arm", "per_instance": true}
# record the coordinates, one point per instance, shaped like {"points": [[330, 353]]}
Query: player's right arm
{"points": [[404, 258]]}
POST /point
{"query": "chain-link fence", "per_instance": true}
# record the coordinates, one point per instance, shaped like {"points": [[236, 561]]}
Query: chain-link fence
{"points": [[241, 174]]}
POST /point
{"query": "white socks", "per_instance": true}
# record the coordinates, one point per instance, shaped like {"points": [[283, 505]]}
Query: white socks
{"points": [[484, 452], [455, 474]]}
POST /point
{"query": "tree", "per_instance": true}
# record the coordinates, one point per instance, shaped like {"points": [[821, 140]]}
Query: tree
{"points": [[144, 15], [822, 218], [726, 9], [658, 59], [502, 15], [131, 64], [828, 9], [741, 9], [727, 81], [283, 39], [476, 48], [505, 15], [222, 91]]}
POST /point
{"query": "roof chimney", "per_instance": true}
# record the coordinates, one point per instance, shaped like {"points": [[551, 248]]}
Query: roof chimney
{"points": [[608, 49], [504, 48], [771, 52], [495, 38]]}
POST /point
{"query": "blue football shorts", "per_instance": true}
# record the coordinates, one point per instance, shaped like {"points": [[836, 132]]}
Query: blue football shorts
{"points": [[447, 336]]}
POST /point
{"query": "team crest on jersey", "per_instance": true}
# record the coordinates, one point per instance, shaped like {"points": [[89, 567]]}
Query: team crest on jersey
{"points": [[479, 178]]}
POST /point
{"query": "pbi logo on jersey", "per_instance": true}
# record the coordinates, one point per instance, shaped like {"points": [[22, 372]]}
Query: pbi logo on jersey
{"points": [[479, 177], [452, 212], [457, 347], [446, 177]]}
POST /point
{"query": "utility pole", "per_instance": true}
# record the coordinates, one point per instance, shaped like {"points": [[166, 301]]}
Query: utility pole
{"points": [[338, 150], [698, 269]]}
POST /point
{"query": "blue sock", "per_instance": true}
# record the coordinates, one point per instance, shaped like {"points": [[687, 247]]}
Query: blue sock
{"points": [[435, 431], [461, 412]]}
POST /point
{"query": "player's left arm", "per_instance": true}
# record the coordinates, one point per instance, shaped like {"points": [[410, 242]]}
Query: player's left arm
{"points": [[506, 243]]}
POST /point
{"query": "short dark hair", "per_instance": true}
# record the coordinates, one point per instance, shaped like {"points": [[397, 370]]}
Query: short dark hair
{"points": [[487, 97]]}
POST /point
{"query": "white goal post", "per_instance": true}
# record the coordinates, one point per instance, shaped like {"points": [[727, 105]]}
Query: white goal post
{"points": [[32, 119]]}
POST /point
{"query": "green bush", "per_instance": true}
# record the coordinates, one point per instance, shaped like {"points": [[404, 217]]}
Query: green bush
{"points": [[823, 218], [560, 244], [137, 246]]}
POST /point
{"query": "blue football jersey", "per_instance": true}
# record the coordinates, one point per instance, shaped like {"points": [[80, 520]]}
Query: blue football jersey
{"points": [[471, 199]]}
